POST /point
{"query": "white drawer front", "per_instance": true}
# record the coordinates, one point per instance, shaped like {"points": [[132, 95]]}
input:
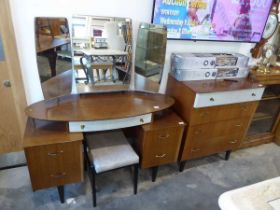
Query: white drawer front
{"points": [[102, 125], [227, 97]]}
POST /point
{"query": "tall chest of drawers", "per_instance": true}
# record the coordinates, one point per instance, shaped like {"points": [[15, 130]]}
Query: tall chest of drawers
{"points": [[218, 114]]}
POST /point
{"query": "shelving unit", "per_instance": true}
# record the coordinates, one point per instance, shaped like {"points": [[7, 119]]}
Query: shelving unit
{"points": [[264, 127]]}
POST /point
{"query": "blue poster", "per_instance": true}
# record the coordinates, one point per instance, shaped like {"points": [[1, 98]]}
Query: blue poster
{"points": [[1, 50]]}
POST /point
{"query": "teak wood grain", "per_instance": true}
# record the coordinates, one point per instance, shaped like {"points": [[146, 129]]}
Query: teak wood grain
{"points": [[99, 106], [209, 86], [55, 164], [159, 142], [54, 156], [210, 129], [39, 132]]}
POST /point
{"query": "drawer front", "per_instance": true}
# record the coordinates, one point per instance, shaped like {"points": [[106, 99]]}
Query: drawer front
{"points": [[228, 97], [161, 146], [226, 112], [56, 164], [102, 125], [203, 140]]}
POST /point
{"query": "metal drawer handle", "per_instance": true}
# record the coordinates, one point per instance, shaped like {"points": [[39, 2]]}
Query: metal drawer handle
{"points": [[83, 127], [58, 175], [212, 99], [197, 132], [253, 94], [233, 142], [203, 114], [195, 150], [244, 108], [55, 153], [141, 120], [164, 136], [238, 125], [161, 156]]}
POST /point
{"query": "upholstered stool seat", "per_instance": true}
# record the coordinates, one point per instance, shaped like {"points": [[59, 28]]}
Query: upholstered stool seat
{"points": [[109, 150]]}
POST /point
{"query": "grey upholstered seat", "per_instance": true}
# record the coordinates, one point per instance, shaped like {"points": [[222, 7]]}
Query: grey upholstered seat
{"points": [[110, 150]]}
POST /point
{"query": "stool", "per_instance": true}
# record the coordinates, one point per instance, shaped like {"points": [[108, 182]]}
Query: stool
{"points": [[106, 151]]}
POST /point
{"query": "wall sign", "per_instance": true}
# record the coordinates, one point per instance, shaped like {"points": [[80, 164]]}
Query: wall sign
{"points": [[2, 56]]}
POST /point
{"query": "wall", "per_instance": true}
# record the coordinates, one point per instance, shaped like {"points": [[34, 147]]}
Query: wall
{"points": [[24, 12]]}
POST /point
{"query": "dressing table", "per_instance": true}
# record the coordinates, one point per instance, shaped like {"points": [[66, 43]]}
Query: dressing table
{"points": [[54, 132]]}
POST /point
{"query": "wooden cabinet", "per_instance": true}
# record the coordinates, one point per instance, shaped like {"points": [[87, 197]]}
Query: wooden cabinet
{"points": [[216, 128], [159, 142], [54, 156], [264, 123]]}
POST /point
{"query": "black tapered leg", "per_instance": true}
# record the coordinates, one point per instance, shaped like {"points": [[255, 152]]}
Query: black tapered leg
{"points": [[61, 193], [93, 189], [227, 156], [182, 166], [85, 156], [135, 178], [154, 173]]}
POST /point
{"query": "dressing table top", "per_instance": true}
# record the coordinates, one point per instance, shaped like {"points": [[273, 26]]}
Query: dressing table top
{"points": [[99, 106]]}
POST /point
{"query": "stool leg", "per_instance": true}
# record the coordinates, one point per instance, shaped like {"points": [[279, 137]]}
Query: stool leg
{"points": [[135, 178], [93, 188], [61, 193], [154, 173]]}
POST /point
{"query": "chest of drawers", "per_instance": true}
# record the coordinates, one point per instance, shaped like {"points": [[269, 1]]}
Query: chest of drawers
{"points": [[158, 143], [54, 156], [217, 121]]}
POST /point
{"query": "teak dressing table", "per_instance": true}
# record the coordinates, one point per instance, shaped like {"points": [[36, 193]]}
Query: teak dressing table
{"points": [[54, 132]]}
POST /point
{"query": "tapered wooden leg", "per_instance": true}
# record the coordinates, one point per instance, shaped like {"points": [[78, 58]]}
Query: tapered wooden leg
{"points": [[154, 173], [61, 193], [227, 156], [182, 166], [135, 178]]}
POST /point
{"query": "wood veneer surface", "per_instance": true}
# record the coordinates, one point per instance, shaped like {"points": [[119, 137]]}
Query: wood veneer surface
{"points": [[209, 86], [99, 106]]}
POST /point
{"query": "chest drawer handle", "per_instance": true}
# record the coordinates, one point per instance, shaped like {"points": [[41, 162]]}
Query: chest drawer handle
{"points": [[161, 156], [58, 175], [204, 114], [55, 153], [212, 99], [163, 136], [195, 150], [253, 94], [197, 132], [233, 142], [238, 125]]}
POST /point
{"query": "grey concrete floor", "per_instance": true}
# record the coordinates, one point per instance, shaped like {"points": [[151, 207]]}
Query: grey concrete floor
{"points": [[197, 188]]}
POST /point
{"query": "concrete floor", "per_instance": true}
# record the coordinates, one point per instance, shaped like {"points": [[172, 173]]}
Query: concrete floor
{"points": [[197, 188]]}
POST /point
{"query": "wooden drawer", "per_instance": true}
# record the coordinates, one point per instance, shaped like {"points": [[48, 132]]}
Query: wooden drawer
{"points": [[161, 146], [55, 164], [216, 137], [218, 113]]}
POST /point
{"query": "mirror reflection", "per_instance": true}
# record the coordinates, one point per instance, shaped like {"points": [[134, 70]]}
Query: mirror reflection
{"points": [[53, 51], [102, 48], [150, 56]]}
